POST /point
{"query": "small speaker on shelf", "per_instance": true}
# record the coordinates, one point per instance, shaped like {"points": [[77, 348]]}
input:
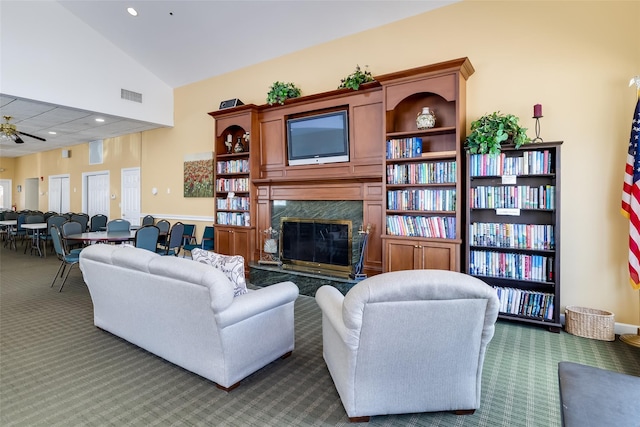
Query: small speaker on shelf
{"points": [[230, 103]]}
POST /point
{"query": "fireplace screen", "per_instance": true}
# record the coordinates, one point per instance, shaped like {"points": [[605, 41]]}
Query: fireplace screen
{"points": [[317, 245]]}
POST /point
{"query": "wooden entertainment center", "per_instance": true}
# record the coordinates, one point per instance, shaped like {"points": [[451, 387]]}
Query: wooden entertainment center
{"points": [[382, 110]]}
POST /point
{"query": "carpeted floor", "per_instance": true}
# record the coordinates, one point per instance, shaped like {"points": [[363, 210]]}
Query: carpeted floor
{"points": [[57, 369]]}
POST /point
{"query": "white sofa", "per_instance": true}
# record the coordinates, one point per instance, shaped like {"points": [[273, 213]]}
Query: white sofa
{"points": [[186, 312], [408, 341]]}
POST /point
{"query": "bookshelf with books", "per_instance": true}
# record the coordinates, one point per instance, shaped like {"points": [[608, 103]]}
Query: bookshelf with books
{"points": [[513, 229], [235, 165], [423, 175]]}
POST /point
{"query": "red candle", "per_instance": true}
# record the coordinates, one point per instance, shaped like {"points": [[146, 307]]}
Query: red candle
{"points": [[537, 110]]}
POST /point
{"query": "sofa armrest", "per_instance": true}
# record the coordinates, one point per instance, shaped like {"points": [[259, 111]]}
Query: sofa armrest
{"points": [[259, 301], [330, 301]]}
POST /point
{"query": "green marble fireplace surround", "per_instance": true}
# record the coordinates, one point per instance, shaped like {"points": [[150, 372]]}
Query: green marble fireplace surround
{"points": [[308, 283]]}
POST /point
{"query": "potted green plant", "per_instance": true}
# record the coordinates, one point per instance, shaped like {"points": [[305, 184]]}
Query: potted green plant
{"points": [[490, 131], [280, 91], [355, 79]]}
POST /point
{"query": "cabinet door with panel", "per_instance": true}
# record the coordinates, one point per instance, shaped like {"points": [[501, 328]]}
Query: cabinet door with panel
{"points": [[409, 254], [234, 241]]}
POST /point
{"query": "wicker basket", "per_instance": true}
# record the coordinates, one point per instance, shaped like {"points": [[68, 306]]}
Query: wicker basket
{"points": [[590, 323]]}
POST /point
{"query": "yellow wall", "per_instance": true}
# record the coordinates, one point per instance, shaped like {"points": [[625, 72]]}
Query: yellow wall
{"points": [[118, 153], [574, 58]]}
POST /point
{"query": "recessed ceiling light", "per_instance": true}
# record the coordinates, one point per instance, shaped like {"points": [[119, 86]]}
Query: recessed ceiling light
{"points": [[132, 11], [52, 133], [99, 120]]}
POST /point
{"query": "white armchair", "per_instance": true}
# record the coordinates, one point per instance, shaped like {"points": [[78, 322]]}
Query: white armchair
{"points": [[408, 341]]}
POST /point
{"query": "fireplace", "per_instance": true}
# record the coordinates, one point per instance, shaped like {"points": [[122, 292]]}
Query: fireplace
{"points": [[316, 245]]}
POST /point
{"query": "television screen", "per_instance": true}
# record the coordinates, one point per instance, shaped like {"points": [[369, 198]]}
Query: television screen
{"points": [[321, 138]]}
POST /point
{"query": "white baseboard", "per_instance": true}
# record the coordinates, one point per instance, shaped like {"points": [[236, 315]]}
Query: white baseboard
{"points": [[619, 328]]}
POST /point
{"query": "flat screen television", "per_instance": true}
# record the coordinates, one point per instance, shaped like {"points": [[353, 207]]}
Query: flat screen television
{"points": [[320, 138]]}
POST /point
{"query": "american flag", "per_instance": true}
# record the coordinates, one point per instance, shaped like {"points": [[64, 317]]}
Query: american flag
{"points": [[631, 199]]}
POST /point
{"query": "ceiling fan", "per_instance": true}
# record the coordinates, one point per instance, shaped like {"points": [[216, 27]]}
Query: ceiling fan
{"points": [[8, 131]]}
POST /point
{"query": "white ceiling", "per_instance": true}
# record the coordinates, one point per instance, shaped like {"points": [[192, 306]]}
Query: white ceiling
{"points": [[182, 42]]}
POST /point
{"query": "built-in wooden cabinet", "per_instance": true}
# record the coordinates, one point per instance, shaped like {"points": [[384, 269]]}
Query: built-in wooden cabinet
{"points": [[235, 167], [423, 168], [513, 229], [414, 254]]}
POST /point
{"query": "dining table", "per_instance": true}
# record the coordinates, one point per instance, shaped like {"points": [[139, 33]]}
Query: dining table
{"points": [[6, 224], [35, 238], [103, 236]]}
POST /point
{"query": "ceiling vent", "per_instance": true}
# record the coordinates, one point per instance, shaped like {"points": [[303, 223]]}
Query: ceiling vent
{"points": [[130, 95]]}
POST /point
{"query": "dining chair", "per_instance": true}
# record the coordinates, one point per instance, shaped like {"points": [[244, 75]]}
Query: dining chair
{"points": [[68, 228], [68, 259], [83, 219], [164, 227], [189, 234], [98, 222], [33, 235], [17, 232], [206, 242], [148, 220], [49, 214], [147, 237], [118, 225], [57, 220], [174, 241]]}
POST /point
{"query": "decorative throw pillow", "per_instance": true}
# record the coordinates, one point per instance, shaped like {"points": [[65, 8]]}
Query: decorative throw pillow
{"points": [[231, 266]]}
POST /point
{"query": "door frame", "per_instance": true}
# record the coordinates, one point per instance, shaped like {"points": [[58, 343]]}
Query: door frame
{"points": [[85, 178], [63, 175], [7, 183], [122, 172]]}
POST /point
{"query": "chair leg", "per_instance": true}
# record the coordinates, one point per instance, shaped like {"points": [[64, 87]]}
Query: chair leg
{"points": [[359, 419], [65, 277], [57, 272]]}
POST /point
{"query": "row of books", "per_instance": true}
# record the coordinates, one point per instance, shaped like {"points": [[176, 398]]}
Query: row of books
{"points": [[422, 200], [507, 265], [512, 196], [526, 303], [422, 173], [514, 236], [404, 148], [233, 203], [421, 226], [232, 184], [530, 163], [233, 218], [233, 166]]}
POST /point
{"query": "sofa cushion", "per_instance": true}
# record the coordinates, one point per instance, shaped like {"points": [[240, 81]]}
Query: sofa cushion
{"points": [[231, 266]]}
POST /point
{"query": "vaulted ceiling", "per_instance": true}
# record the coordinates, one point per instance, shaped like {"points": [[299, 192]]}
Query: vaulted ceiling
{"points": [[182, 42]]}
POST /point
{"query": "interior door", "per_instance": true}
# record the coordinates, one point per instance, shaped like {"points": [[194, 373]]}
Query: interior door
{"points": [[5, 194], [96, 193], [130, 200], [59, 193]]}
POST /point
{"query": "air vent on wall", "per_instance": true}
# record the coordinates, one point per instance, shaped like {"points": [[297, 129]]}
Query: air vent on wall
{"points": [[130, 95]]}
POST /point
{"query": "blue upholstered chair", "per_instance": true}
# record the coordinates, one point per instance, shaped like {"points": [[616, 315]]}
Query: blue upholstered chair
{"points": [[148, 220], [147, 237], [98, 222], [206, 243], [174, 241], [67, 259], [118, 225]]}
